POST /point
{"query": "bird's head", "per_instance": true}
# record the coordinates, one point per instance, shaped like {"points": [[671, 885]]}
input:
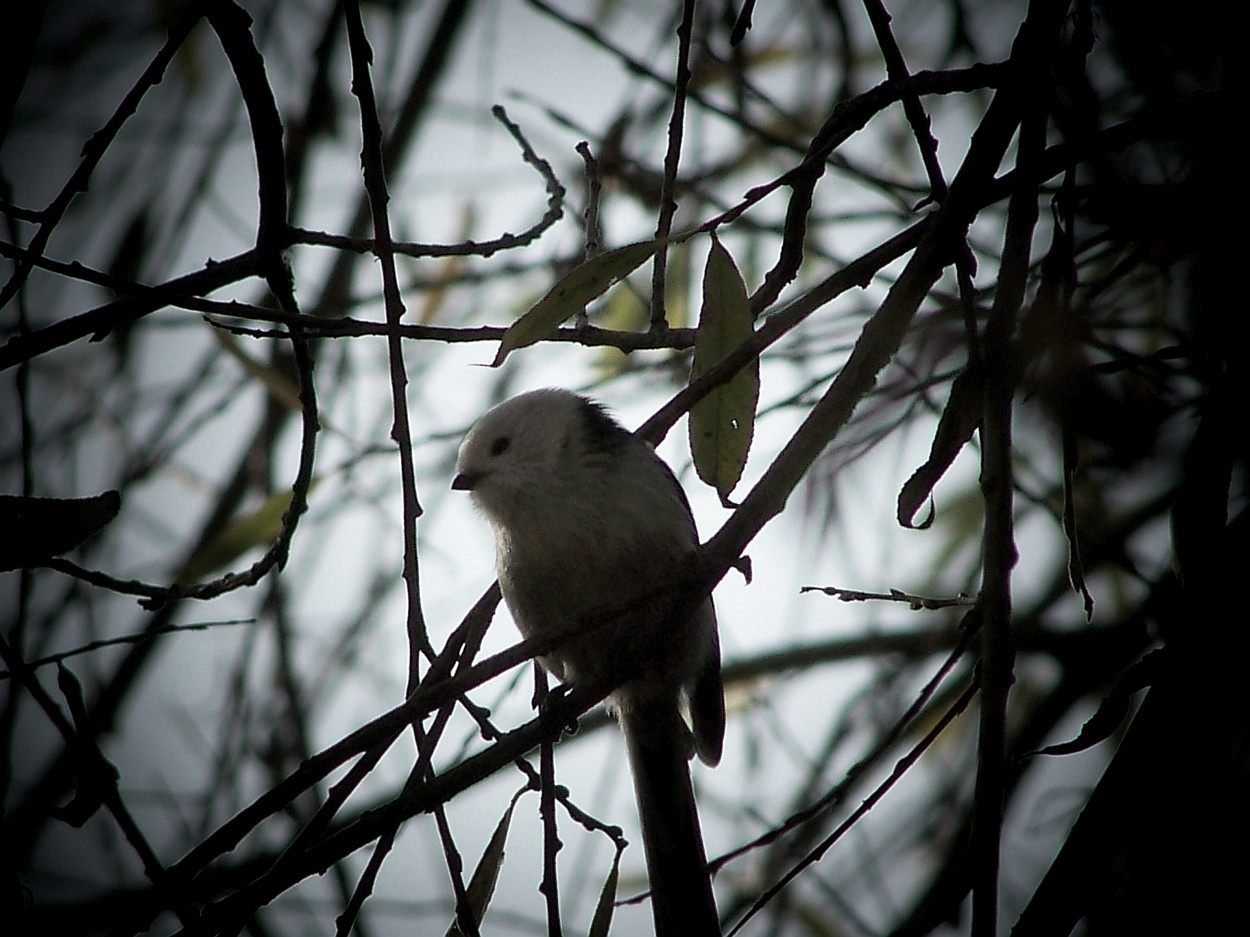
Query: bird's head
{"points": [[520, 448]]}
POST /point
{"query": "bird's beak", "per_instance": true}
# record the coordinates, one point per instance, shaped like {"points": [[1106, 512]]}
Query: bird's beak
{"points": [[464, 481]]}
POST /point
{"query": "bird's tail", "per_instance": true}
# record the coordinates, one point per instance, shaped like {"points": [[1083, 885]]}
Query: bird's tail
{"points": [[659, 751]]}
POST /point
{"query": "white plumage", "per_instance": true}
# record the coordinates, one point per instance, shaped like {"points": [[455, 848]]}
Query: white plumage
{"points": [[591, 529]]}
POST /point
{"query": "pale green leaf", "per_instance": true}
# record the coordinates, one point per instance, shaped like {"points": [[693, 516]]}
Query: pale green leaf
{"points": [[623, 311], [257, 529], [280, 387], [677, 280], [722, 424], [602, 920], [482, 886], [571, 294]]}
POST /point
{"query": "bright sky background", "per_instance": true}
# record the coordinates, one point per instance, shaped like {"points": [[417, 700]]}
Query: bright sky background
{"points": [[519, 58]]}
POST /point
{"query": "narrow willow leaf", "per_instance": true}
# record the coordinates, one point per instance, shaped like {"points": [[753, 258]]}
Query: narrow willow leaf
{"points": [[36, 529], [444, 277], [482, 886], [723, 423], [677, 278], [95, 777], [1114, 708], [571, 294], [281, 388], [1076, 566], [602, 921], [624, 311], [258, 529]]}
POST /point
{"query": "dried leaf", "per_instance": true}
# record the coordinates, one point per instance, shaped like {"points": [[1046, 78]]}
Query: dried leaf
{"points": [[722, 424]]}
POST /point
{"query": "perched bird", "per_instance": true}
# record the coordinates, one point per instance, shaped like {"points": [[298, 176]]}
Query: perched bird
{"points": [[590, 528]]}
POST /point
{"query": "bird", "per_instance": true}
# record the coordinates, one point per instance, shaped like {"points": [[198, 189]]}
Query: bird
{"points": [[590, 529]]}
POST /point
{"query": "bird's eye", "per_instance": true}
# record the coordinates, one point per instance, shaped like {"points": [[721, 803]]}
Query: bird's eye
{"points": [[500, 445]]}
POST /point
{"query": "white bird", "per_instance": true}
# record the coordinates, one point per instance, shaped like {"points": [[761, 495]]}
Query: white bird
{"points": [[591, 528]]}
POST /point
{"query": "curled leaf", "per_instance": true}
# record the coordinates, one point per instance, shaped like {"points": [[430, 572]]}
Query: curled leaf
{"points": [[1076, 567], [1114, 708], [959, 421]]}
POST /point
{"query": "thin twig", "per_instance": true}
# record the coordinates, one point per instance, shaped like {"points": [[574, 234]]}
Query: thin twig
{"points": [[916, 602], [594, 191], [1028, 98], [95, 148], [138, 638], [549, 887], [672, 156], [901, 767]]}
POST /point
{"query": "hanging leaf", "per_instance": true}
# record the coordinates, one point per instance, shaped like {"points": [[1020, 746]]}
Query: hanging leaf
{"points": [[258, 529], [722, 424], [959, 421], [482, 886], [1076, 567], [571, 294], [602, 921], [95, 777]]}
